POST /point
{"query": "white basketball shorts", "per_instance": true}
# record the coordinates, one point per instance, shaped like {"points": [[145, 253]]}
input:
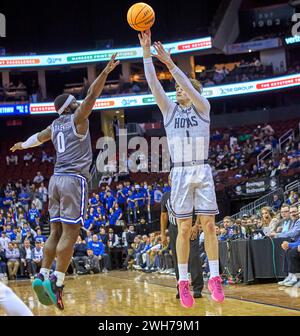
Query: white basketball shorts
{"points": [[193, 189]]}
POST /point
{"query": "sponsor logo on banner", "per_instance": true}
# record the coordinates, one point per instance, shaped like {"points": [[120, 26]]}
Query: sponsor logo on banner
{"points": [[195, 45], [54, 60], [108, 103], [253, 46], [228, 90], [100, 57], [129, 102], [36, 108], [19, 61], [256, 187], [11, 109], [279, 83], [292, 40]]}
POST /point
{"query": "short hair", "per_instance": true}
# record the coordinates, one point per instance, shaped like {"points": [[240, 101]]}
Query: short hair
{"points": [[227, 218], [60, 100], [284, 205], [196, 84]]}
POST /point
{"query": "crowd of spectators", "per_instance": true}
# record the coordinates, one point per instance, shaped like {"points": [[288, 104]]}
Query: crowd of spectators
{"points": [[240, 147], [18, 91], [28, 157]]}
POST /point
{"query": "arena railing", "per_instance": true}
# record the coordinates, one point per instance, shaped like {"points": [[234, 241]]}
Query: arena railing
{"points": [[267, 152], [285, 138]]}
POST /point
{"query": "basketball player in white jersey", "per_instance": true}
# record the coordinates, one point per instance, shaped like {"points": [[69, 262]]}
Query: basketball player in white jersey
{"points": [[68, 196], [12, 305], [187, 125]]}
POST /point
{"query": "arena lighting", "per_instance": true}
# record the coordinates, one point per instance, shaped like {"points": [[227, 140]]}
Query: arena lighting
{"points": [[263, 85], [34, 61]]}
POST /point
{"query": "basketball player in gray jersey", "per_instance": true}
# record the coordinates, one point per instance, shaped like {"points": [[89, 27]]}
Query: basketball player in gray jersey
{"points": [[187, 125], [68, 186]]}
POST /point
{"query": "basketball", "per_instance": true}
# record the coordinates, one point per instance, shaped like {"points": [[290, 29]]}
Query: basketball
{"points": [[140, 16]]}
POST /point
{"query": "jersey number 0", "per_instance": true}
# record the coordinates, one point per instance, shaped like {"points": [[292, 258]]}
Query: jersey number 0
{"points": [[61, 147]]}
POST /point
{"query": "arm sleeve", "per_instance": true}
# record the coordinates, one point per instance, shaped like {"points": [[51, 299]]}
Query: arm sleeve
{"points": [[33, 141], [201, 103], [164, 103]]}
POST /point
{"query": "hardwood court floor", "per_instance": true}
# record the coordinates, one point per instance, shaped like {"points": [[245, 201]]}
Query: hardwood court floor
{"points": [[135, 293]]}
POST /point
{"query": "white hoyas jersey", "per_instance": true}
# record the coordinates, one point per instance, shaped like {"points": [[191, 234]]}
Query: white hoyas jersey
{"points": [[188, 134]]}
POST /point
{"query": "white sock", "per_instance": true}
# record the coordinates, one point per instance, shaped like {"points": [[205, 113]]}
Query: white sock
{"points": [[45, 272], [12, 305], [60, 278], [183, 272], [213, 268]]}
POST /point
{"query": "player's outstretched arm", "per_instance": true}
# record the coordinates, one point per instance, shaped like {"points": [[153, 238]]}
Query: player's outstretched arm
{"points": [[163, 101], [200, 102], [95, 90], [34, 141]]}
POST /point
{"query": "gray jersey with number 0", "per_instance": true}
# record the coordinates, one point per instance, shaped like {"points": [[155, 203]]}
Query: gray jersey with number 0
{"points": [[73, 151]]}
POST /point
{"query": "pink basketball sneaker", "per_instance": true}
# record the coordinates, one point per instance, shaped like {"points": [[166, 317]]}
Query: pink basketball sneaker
{"points": [[216, 289], [186, 298]]}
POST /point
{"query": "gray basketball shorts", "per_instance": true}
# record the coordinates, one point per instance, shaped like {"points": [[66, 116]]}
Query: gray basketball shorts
{"points": [[192, 190], [68, 198]]}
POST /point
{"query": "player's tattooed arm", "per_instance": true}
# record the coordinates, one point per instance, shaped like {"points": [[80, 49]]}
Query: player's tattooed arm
{"points": [[95, 90], [33, 141]]}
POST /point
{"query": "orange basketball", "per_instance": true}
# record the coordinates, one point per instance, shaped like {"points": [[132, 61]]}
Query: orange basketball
{"points": [[140, 16]]}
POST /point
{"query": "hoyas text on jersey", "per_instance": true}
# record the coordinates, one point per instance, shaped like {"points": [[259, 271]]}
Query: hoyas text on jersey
{"points": [[186, 122]]}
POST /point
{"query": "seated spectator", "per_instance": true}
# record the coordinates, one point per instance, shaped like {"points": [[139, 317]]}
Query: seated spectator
{"points": [[13, 158], [118, 213], [92, 264], [12, 255], [112, 219], [142, 228], [166, 264], [285, 220], [151, 254], [131, 208], [276, 203], [293, 257], [38, 256], [24, 199], [124, 237], [294, 228], [27, 158], [99, 251], [282, 164], [9, 232], [293, 198], [43, 193], [46, 157], [130, 235], [112, 239], [110, 200], [269, 221], [4, 241], [39, 236], [103, 236], [80, 256], [38, 203], [231, 230], [39, 178], [26, 254], [33, 216]]}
